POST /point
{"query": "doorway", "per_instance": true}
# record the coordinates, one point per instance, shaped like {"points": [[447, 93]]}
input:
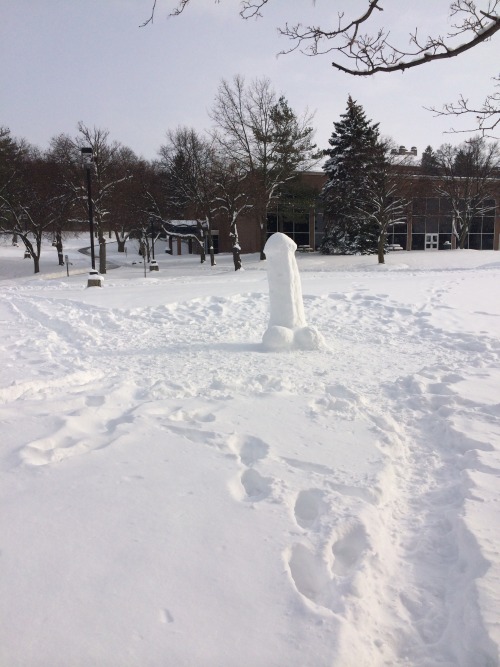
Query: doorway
{"points": [[431, 241]]}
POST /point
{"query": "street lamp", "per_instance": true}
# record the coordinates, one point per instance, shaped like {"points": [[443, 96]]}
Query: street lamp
{"points": [[153, 266], [152, 223], [87, 163]]}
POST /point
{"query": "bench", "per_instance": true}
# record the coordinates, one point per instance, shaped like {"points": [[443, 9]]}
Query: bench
{"points": [[394, 246]]}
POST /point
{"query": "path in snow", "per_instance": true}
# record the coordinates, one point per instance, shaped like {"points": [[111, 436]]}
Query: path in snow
{"points": [[383, 545]]}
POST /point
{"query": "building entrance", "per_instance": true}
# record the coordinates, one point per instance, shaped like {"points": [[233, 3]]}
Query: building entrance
{"points": [[431, 241]]}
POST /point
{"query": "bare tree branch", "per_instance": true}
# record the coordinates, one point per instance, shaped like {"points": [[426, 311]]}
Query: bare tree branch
{"points": [[373, 52], [487, 115], [151, 18]]}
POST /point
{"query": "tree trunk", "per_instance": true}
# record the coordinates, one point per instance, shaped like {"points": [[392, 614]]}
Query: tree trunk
{"points": [[211, 248], [236, 258], [210, 240], [381, 248], [236, 246], [36, 264], [102, 255], [59, 246], [263, 237], [463, 236], [121, 239]]}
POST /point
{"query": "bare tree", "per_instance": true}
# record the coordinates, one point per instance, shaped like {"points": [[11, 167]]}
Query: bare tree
{"points": [[466, 177], [264, 138], [190, 165], [36, 208], [110, 163], [386, 196], [233, 199]]}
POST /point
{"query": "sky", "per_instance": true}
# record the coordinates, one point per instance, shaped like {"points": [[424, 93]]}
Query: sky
{"points": [[88, 60]]}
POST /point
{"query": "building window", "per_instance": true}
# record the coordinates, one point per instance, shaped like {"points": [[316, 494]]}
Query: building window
{"points": [[433, 215], [487, 242], [418, 241], [292, 221]]}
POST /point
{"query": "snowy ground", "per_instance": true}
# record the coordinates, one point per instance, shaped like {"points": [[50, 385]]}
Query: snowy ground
{"points": [[173, 495]]}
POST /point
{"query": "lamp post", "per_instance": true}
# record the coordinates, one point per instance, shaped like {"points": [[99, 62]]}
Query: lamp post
{"points": [[153, 265], [152, 223], [87, 163]]}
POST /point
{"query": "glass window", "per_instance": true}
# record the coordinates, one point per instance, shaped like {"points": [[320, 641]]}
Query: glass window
{"points": [[401, 239], [432, 205], [475, 225], [487, 240], [444, 239], [301, 239], [302, 226], [445, 225], [432, 224], [475, 241], [488, 225], [418, 225], [272, 223], [418, 241]]}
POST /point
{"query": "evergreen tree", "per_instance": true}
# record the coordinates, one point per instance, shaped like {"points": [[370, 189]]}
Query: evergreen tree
{"points": [[355, 157], [429, 163]]}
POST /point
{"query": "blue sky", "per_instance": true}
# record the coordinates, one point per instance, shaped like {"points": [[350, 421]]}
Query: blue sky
{"points": [[71, 60]]}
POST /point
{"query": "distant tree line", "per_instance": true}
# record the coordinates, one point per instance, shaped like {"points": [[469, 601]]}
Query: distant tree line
{"points": [[257, 144], [234, 172]]}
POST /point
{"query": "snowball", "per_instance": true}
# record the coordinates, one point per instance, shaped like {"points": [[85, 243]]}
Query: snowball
{"points": [[278, 338], [308, 338]]}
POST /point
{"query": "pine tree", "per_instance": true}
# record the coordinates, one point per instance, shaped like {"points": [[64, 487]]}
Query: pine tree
{"points": [[429, 163], [354, 159]]}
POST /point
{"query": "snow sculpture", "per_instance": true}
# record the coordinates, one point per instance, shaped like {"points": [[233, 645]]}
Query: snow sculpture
{"points": [[287, 322]]}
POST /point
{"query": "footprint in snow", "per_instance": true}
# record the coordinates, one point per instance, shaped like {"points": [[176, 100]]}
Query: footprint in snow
{"points": [[316, 576], [256, 487], [308, 507], [250, 451], [248, 448], [349, 548]]}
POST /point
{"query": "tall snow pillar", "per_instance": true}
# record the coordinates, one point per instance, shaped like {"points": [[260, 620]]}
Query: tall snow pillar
{"points": [[287, 322], [285, 289]]}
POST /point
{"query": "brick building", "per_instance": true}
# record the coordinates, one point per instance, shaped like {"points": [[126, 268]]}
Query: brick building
{"points": [[299, 214]]}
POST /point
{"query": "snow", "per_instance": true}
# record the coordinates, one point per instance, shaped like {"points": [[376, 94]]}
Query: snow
{"points": [[287, 321], [173, 494]]}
